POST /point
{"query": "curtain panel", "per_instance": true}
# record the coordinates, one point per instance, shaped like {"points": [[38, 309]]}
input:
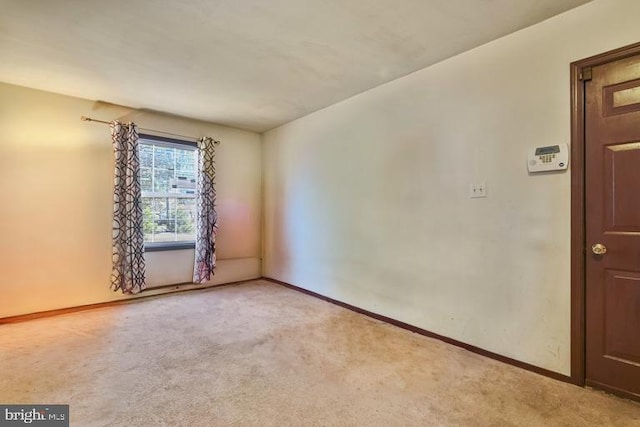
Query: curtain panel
{"points": [[207, 218], [128, 271]]}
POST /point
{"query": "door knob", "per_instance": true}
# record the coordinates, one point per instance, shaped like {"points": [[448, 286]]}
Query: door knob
{"points": [[599, 249]]}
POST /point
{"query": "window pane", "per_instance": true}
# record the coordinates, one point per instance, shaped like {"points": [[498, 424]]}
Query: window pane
{"points": [[162, 180], [146, 155], [186, 161], [185, 172], [146, 181], [148, 219], [185, 183], [164, 158], [186, 220], [162, 218]]}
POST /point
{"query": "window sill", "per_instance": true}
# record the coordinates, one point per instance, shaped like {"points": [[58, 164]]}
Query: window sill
{"points": [[168, 246]]}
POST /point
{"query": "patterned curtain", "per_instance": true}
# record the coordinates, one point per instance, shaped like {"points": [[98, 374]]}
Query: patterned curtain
{"points": [[128, 269], [207, 219]]}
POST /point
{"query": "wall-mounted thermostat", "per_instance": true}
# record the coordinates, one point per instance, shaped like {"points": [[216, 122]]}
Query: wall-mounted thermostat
{"points": [[550, 158]]}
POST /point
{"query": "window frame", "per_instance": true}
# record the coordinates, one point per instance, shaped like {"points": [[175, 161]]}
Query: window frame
{"points": [[167, 246]]}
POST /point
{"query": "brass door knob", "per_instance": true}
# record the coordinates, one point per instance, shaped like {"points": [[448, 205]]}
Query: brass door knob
{"points": [[599, 249]]}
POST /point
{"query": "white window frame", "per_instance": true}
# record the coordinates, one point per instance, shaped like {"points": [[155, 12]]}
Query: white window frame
{"points": [[172, 143]]}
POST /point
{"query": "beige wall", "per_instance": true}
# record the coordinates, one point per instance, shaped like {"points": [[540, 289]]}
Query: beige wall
{"points": [[367, 201], [56, 182]]}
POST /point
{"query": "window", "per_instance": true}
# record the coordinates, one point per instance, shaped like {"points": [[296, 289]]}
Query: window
{"points": [[168, 180]]}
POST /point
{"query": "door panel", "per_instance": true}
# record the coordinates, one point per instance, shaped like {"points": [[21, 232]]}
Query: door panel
{"points": [[622, 98], [612, 171], [622, 312], [621, 166]]}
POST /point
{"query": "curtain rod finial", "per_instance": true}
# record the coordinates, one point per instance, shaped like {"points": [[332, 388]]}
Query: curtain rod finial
{"points": [[85, 119]]}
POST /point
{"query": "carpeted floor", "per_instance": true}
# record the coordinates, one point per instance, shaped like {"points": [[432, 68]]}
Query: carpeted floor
{"points": [[258, 354]]}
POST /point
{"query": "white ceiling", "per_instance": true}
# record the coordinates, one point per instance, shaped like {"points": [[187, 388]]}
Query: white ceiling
{"points": [[250, 64]]}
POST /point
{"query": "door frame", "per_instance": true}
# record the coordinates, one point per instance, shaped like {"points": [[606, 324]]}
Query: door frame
{"points": [[580, 69]]}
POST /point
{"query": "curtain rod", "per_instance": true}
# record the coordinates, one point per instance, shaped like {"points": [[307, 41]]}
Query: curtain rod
{"points": [[89, 119]]}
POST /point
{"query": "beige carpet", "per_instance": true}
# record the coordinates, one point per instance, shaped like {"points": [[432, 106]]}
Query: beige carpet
{"points": [[258, 354]]}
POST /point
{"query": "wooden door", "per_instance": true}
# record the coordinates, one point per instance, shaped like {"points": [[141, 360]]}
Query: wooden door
{"points": [[612, 179]]}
